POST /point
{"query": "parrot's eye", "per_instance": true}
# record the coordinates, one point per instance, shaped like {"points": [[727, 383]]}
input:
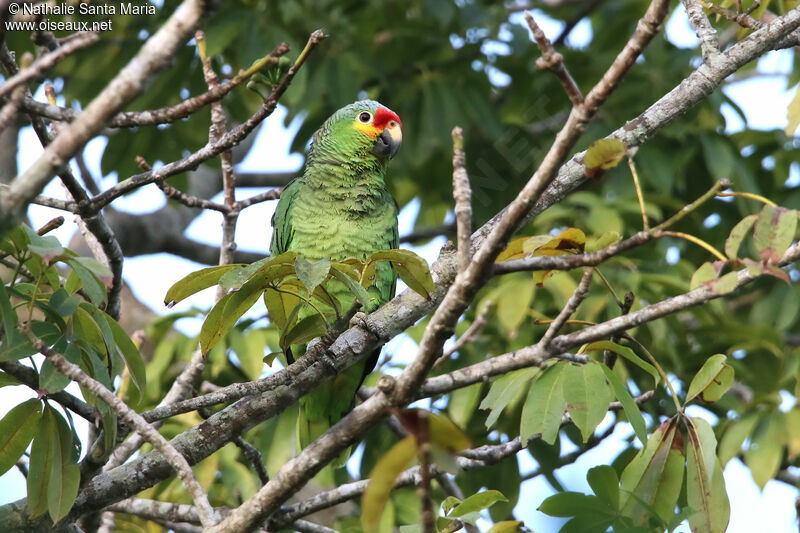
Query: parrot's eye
{"points": [[365, 117]]}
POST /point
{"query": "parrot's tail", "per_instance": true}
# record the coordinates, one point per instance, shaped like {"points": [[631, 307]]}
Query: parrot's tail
{"points": [[310, 430]]}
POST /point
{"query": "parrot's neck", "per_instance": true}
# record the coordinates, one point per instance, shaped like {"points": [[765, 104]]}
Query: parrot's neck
{"points": [[346, 180]]}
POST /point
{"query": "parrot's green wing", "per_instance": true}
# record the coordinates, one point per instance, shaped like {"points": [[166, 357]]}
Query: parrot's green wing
{"points": [[282, 232]]}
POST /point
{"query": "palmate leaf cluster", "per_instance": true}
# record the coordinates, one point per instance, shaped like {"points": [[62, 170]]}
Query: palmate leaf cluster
{"points": [[289, 285], [51, 294]]}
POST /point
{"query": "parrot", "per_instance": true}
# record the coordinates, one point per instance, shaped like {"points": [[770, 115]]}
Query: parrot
{"points": [[340, 208]]}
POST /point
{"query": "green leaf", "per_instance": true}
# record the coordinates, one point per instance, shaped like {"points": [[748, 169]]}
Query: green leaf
{"points": [[632, 410], [505, 389], [411, 268], [312, 274], [107, 334], [310, 327], [93, 288], [236, 277], [228, 310], [513, 299], [196, 282], [544, 405], [705, 486], [702, 275], [41, 462], [587, 396], [46, 246], [445, 434], [462, 402], [449, 503], [628, 354], [774, 233], [65, 476], [50, 379], [15, 345], [726, 284], [605, 484], [381, 481], [133, 359], [735, 434], [17, 429], [737, 235], [570, 503], [651, 474], [478, 502], [281, 302], [506, 526], [763, 456], [8, 380], [604, 154], [340, 272], [713, 379], [64, 304]]}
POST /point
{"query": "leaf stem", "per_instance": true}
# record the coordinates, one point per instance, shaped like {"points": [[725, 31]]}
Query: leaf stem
{"points": [[691, 238], [645, 224], [750, 195]]}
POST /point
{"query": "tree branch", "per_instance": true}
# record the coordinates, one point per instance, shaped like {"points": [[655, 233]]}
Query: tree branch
{"points": [[463, 198], [211, 149], [177, 461], [48, 60], [709, 45], [130, 81]]}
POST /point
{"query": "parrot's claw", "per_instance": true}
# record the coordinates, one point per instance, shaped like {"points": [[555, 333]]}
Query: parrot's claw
{"points": [[359, 319]]}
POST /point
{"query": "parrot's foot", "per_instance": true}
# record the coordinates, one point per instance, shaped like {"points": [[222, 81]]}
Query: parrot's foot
{"points": [[359, 319]]}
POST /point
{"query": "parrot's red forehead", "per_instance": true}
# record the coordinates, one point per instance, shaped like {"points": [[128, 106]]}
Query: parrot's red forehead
{"points": [[383, 116]]}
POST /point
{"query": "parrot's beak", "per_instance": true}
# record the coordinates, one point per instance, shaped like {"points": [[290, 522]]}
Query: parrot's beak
{"points": [[388, 142]]}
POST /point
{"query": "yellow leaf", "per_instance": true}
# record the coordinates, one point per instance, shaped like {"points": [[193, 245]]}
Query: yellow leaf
{"points": [[793, 114], [604, 154], [381, 481]]}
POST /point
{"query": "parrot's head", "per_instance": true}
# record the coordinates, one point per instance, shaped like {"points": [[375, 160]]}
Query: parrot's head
{"points": [[362, 131]]}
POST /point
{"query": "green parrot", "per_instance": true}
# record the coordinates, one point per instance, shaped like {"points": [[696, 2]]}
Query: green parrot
{"points": [[340, 208]]}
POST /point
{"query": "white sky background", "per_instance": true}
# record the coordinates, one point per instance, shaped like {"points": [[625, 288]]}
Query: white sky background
{"points": [[764, 101]]}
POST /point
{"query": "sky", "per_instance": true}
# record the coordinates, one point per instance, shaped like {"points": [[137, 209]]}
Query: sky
{"points": [[764, 101]]}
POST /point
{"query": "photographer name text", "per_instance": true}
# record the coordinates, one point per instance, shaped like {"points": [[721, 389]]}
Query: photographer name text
{"points": [[123, 8]]}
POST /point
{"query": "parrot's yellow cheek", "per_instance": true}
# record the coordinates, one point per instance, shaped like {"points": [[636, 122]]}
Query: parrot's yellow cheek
{"points": [[370, 131]]}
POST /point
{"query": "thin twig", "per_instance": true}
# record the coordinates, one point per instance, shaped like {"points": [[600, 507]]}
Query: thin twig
{"points": [[272, 194], [472, 333], [581, 291], [463, 198], [215, 133], [230, 139], [609, 357], [554, 62], [126, 85], [48, 60], [254, 456], [709, 44], [164, 115], [742, 19], [429, 233]]}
